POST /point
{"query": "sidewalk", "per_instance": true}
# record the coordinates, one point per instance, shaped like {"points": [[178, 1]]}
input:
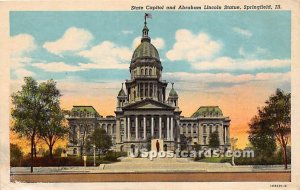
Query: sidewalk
{"points": [[142, 165]]}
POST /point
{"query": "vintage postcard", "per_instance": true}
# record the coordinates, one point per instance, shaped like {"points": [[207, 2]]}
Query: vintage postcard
{"points": [[150, 95]]}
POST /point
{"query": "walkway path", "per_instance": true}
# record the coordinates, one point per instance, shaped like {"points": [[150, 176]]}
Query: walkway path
{"points": [[133, 165]]}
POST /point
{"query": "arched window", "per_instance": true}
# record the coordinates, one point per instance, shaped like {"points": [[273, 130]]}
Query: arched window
{"points": [[189, 128], [195, 129], [150, 72], [146, 71], [217, 127], [142, 71], [181, 130]]}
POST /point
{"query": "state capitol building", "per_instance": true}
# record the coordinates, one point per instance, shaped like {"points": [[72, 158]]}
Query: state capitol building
{"points": [[146, 111]]}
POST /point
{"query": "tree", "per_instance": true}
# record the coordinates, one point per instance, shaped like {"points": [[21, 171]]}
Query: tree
{"points": [[15, 154], [84, 124], [261, 137], [277, 114], [36, 113], [272, 122], [101, 140], [53, 116], [214, 141], [27, 112], [183, 142]]}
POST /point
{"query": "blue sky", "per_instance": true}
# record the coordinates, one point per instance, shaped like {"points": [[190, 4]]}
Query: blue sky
{"points": [[241, 36]]}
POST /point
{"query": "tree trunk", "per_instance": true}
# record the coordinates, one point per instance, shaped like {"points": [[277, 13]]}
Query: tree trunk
{"points": [[50, 151], [31, 154], [284, 152], [284, 156], [34, 149]]}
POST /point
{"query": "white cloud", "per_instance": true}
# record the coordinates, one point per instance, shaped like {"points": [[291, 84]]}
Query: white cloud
{"points": [[73, 40], [21, 44], [127, 32], [107, 55], [242, 32], [20, 47], [193, 47], [230, 64], [257, 52], [159, 43], [22, 72], [205, 78], [58, 67]]}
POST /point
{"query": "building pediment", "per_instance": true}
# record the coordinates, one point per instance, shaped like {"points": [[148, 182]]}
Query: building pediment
{"points": [[148, 104]]}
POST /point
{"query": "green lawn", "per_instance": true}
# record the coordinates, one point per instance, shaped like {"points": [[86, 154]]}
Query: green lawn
{"points": [[215, 159]]}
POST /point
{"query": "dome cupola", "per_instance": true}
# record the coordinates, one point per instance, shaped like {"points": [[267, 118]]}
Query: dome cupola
{"points": [[173, 93], [145, 49]]}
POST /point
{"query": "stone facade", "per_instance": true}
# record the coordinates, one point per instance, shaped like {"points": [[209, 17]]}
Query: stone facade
{"points": [[144, 112]]}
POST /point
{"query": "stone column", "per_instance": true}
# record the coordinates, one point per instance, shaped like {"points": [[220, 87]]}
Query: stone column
{"points": [[117, 131], [106, 129], [187, 129], [168, 128], [172, 126], [128, 127], [221, 133], [152, 126], [144, 89], [159, 123], [136, 128], [228, 132], [139, 91], [125, 128], [144, 127], [225, 135]]}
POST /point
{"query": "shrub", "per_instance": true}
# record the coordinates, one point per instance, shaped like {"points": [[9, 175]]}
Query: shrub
{"points": [[58, 151], [111, 156], [121, 154], [275, 159]]}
